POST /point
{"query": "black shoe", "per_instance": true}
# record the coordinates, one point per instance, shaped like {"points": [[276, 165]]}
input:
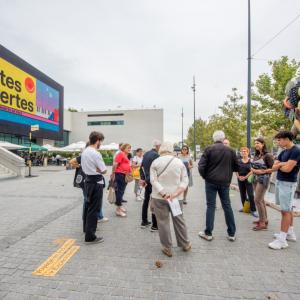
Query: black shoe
{"points": [[145, 224], [97, 240], [124, 201], [153, 229]]}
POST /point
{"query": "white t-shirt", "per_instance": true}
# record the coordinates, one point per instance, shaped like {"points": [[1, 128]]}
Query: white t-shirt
{"points": [[137, 160], [91, 159]]}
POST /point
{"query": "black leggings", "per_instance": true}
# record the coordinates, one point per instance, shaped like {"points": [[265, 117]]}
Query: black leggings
{"points": [[120, 186], [246, 188]]}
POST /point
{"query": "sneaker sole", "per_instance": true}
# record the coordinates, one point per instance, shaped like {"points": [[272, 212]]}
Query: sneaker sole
{"points": [[278, 248], [204, 238], [288, 239], [94, 242]]}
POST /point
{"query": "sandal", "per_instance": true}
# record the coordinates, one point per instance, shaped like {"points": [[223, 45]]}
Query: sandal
{"points": [[187, 248], [167, 252], [123, 209], [120, 214]]}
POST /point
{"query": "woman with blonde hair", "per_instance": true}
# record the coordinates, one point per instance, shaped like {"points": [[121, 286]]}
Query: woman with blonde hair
{"points": [[169, 180], [121, 168]]}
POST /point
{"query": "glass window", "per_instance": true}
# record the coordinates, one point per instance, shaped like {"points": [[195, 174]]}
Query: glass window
{"points": [[105, 123]]}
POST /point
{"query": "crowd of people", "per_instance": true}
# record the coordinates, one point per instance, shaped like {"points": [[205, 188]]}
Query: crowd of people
{"points": [[162, 178]]}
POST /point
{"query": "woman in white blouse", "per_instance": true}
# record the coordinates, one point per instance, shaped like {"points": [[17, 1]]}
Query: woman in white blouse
{"points": [[169, 180]]}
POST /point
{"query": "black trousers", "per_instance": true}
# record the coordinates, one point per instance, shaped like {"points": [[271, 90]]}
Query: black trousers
{"points": [[94, 194], [148, 192], [120, 187], [246, 189]]}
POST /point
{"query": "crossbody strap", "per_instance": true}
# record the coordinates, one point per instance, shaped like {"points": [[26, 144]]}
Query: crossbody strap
{"points": [[166, 166]]}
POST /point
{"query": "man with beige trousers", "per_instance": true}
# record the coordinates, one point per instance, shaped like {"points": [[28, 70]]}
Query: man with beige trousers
{"points": [[169, 180]]}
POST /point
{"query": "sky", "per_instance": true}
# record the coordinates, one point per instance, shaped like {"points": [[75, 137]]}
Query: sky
{"points": [[129, 54]]}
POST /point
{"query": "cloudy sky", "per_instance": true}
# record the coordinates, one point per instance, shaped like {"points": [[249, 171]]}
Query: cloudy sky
{"points": [[144, 53]]}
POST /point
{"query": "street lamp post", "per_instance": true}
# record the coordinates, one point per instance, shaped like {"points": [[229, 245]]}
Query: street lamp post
{"points": [[249, 81], [182, 128], [194, 92]]}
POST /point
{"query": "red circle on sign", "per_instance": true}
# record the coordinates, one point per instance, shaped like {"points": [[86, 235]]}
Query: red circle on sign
{"points": [[29, 84]]}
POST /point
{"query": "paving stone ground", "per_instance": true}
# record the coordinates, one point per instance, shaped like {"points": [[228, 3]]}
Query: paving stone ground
{"points": [[35, 212]]}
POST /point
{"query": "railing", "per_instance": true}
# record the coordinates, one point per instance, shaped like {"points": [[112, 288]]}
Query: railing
{"points": [[12, 162]]}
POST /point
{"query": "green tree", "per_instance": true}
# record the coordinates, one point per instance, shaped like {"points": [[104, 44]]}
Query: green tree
{"points": [[269, 92]]}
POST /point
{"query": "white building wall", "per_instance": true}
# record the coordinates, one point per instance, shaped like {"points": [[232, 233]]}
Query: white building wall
{"points": [[140, 127], [67, 120]]}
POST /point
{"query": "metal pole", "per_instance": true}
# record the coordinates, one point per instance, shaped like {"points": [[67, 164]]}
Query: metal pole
{"points": [[194, 92], [29, 173], [249, 81], [182, 128]]}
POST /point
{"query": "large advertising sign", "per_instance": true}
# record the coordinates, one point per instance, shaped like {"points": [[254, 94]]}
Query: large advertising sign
{"points": [[28, 97]]}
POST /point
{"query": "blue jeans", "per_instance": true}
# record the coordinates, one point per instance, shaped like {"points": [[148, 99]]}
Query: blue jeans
{"points": [[211, 191]]}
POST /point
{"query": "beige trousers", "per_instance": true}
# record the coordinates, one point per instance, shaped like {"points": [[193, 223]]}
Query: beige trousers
{"points": [[162, 213], [259, 199]]}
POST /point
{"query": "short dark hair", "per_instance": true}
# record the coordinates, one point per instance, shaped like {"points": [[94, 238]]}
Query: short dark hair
{"points": [[95, 136], [138, 149], [284, 134]]}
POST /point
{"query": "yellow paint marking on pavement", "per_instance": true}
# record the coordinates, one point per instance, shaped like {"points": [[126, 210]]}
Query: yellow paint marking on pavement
{"points": [[55, 267], [57, 260]]}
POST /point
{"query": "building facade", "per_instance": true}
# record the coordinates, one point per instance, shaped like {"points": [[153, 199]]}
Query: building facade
{"points": [[137, 127]]}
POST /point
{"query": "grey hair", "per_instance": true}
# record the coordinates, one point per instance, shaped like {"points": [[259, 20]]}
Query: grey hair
{"points": [[156, 143], [166, 148], [219, 136]]}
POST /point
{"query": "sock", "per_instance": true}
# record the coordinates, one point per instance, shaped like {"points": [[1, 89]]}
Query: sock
{"points": [[282, 236], [291, 230]]}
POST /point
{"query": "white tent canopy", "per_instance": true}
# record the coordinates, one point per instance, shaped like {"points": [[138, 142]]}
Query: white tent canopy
{"points": [[10, 146], [79, 146], [112, 146], [51, 148]]}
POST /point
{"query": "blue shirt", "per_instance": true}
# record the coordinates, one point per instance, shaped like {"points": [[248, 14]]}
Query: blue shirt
{"points": [[286, 155]]}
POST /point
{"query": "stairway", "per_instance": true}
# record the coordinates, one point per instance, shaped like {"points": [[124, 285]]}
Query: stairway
{"points": [[5, 173]]}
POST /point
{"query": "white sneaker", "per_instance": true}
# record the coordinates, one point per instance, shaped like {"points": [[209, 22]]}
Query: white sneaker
{"points": [[290, 237], [205, 237], [231, 238], [103, 220], [277, 245]]}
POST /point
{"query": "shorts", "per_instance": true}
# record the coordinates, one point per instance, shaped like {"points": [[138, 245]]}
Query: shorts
{"points": [[284, 194]]}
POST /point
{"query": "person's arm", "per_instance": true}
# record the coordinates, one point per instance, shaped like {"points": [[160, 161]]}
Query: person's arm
{"points": [[203, 163], [277, 165], [154, 181], [191, 164], [184, 182], [288, 166], [74, 162], [100, 165]]}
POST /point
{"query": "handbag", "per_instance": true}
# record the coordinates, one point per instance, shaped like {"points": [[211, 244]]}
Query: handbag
{"points": [[136, 173], [251, 178], [128, 177], [246, 207], [78, 181], [111, 197]]}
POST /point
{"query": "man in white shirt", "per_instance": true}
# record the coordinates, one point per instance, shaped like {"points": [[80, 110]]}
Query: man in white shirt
{"points": [[93, 166]]}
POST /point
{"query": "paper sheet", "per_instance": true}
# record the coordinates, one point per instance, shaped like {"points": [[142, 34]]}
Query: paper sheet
{"points": [[175, 207]]}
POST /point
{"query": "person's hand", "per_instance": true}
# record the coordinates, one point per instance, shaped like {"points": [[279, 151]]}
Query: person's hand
{"points": [[242, 178], [166, 196], [142, 183], [258, 172], [172, 196], [112, 176]]}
